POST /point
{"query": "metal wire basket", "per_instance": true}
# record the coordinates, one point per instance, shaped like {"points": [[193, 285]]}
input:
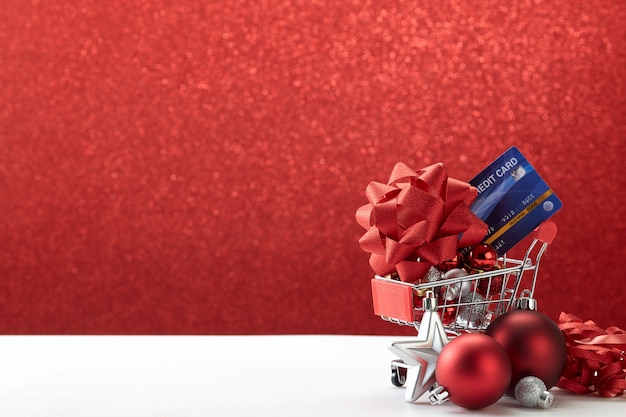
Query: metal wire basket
{"points": [[469, 303]]}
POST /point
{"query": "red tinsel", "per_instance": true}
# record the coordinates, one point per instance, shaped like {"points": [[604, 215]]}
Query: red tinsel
{"points": [[595, 357]]}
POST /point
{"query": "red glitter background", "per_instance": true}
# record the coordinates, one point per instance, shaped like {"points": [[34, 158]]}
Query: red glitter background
{"points": [[186, 168]]}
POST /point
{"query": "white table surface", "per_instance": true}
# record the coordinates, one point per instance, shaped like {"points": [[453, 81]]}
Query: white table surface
{"points": [[166, 376]]}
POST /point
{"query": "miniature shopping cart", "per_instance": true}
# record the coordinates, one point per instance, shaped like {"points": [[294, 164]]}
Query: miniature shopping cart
{"points": [[487, 295]]}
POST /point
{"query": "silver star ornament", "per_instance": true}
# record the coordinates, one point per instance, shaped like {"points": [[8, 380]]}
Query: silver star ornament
{"points": [[421, 355]]}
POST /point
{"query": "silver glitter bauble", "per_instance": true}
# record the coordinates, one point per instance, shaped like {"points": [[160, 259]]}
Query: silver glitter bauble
{"points": [[531, 392], [471, 311], [433, 274]]}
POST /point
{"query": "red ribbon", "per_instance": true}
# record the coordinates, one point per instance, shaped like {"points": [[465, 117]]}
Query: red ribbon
{"points": [[417, 220], [595, 357]]}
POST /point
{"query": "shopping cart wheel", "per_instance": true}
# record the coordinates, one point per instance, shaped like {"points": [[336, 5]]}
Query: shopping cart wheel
{"points": [[398, 373]]}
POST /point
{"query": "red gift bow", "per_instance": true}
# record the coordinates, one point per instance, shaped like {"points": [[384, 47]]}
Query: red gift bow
{"points": [[414, 221], [595, 357]]}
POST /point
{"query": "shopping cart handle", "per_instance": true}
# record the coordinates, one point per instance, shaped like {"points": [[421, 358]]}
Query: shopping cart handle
{"points": [[546, 232]]}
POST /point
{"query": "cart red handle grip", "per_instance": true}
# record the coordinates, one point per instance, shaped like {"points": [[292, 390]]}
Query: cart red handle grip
{"points": [[546, 232]]}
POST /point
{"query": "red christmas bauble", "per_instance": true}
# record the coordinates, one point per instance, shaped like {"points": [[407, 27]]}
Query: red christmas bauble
{"points": [[448, 315], [534, 343], [474, 369], [483, 257], [455, 262], [491, 286]]}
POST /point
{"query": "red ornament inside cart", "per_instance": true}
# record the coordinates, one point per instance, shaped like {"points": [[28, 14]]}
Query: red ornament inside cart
{"points": [[491, 286], [449, 315], [456, 262], [483, 257]]}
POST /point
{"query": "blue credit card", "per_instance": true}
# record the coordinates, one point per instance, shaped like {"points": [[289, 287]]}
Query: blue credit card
{"points": [[512, 199]]}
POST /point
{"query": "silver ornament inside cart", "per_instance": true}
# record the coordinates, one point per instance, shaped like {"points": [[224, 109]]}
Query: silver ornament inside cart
{"points": [[433, 274], [471, 311], [457, 289]]}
